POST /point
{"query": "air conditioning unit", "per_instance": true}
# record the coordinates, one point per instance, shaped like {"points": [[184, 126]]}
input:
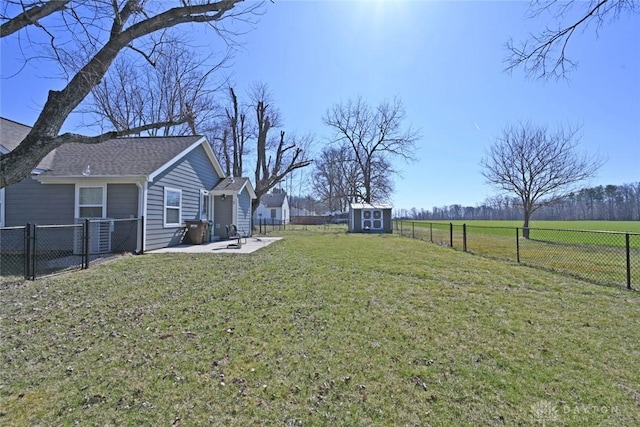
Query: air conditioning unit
{"points": [[99, 236]]}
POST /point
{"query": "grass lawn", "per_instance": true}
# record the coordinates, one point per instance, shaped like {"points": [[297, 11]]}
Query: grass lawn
{"points": [[319, 329]]}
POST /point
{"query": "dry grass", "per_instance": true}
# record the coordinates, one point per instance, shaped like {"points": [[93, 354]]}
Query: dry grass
{"points": [[319, 329]]}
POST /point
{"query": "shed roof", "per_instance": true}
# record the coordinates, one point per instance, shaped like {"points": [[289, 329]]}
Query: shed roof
{"points": [[371, 206]]}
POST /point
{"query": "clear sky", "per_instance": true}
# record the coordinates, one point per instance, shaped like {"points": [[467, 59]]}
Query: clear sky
{"points": [[445, 61]]}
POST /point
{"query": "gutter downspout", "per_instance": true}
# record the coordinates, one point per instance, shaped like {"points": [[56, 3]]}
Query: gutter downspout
{"points": [[142, 211]]}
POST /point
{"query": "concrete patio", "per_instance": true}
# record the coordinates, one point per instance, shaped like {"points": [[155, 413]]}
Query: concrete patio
{"points": [[249, 245]]}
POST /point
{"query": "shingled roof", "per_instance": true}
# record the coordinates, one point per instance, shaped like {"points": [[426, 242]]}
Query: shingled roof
{"points": [[135, 156], [272, 200], [11, 135], [118, 157], [233, 185]]}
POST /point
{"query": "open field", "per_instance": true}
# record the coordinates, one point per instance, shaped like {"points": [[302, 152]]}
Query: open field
{"points": [[623, 226], [319, 329], [595, 255]]}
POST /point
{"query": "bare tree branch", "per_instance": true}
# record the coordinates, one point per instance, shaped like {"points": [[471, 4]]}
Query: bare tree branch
{"points": [[17, 164], [31, 16], [545, 55]]}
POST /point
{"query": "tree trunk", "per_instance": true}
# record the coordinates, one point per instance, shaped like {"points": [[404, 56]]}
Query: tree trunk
{"points": [[525, 226]]}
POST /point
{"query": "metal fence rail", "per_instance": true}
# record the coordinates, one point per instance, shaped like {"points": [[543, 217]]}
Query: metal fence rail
{"points": [[605, 257], [265, 226], [34, 250]]}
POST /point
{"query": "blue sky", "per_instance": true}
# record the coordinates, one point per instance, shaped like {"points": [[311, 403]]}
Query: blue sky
{"points": [[445, 61]]}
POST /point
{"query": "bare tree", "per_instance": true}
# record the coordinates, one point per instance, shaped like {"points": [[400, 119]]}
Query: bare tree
{"points": [[538, 165], [247, 130], [276, 157], [375, 135], [544, 55], [97, 31], [176, 85], [231, 136], [336, 177]]}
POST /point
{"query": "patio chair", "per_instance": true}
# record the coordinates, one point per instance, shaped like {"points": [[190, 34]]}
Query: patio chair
{"points": [[232, 233]]}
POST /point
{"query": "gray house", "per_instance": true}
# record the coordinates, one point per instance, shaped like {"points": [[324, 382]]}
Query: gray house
{"points": [[165, 180], [370, 218]]}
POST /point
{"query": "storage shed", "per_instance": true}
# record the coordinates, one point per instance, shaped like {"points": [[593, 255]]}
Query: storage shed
{"points": [[370, 218]]}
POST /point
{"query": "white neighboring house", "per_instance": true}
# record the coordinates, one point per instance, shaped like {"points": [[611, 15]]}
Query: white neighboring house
{"points": [[274, 208]]}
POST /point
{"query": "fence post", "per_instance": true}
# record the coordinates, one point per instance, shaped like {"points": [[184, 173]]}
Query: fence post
{"points": [[517, 245], [431, 232], [628, 249], [27, 252], [34, 251], [464, 237], [413, 230], [85, 244], [450, 234]]}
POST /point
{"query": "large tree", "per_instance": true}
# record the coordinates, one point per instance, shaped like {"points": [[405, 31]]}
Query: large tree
{"points": [[84, 39], [538, 165], [544, 55], [335, 178], [375, 135], [254, 130]]}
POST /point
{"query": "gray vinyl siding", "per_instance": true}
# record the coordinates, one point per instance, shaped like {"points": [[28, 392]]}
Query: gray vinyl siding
{"points": [[29, 201], [356, 227], [244, 212], [222, 215], [388, 224], [122, 201], [190, 174]]}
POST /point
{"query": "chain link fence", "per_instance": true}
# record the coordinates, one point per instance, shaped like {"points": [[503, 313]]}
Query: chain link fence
{"points": [[604, 257], [265, 226], [35, 250], [12, 254]]}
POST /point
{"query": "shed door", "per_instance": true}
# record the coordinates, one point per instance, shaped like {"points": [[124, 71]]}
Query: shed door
{"points": [[372, 219]]}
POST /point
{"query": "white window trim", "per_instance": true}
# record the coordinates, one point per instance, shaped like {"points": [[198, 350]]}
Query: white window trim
{"points": [[104, 198], [165, 207], [203, 194]]}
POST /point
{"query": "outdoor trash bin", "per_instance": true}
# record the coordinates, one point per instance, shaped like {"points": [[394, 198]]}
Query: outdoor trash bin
{"points": [[196, 230]]}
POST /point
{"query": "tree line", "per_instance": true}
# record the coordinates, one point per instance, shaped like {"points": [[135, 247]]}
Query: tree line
{"points": [[599, 203]]}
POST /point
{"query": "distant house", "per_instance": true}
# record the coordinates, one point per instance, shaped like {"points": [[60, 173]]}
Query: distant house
{"points": [[370, 218], [165, 180], [274, 207]]}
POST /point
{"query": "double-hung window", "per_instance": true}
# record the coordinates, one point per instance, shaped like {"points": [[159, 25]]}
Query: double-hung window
{"points": [[91, 202], [172, 207]]}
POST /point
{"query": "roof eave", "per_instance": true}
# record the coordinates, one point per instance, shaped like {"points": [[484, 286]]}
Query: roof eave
{"points": [[73, 179]]}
